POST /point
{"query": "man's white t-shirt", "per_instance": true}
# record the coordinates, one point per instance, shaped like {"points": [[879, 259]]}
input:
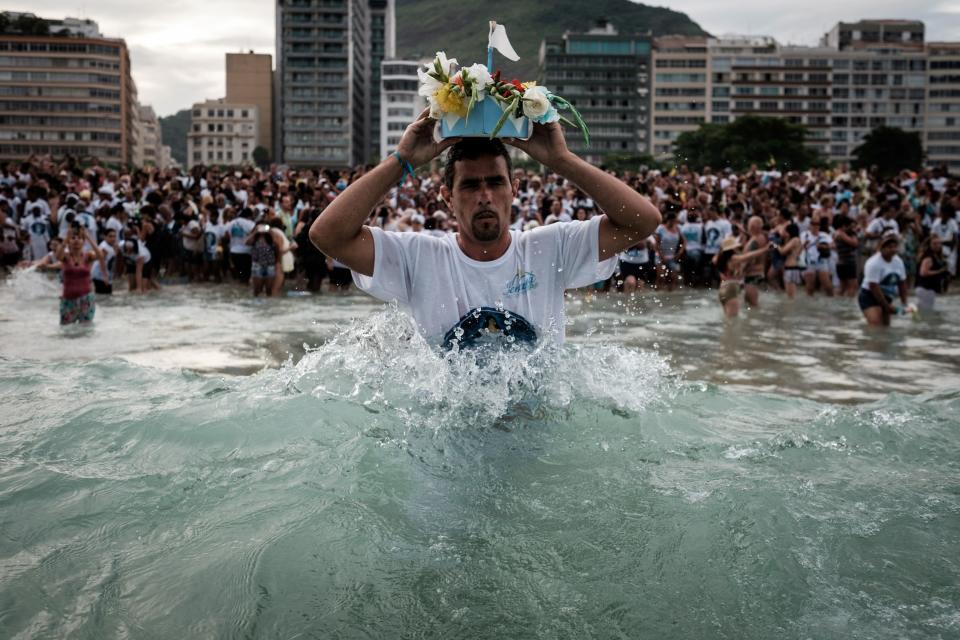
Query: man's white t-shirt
{"points": [[438, 284], [714, 232], [888, 275], [109, 257], [189, 243], [947, 232], [883, 226], [239, 229]]}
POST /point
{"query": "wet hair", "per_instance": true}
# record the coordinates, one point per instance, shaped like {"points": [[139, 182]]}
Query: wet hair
{"points": [[793, 230], [472, 149]]}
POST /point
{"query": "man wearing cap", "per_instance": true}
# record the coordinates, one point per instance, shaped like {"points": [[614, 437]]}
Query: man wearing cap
{"points": [[884, 276], [503, 279]]}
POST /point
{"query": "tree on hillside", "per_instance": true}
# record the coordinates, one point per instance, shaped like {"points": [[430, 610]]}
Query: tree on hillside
{"points": [[745, 141], [889, 150]]}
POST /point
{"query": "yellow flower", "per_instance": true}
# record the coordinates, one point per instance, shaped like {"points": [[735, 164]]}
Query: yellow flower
{"points": [[450, 100], [527, 85]]}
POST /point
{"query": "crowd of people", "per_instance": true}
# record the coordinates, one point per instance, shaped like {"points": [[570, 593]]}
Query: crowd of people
{"points": [[832, 232]]}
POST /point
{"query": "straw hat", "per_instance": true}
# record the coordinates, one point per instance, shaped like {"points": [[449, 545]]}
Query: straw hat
{"points": [[729, 244]]}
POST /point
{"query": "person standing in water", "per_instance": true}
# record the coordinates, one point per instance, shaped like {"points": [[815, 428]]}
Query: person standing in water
{"points": [[933, 274], [77, 302], [754, 269], [486, 273], [884, 276], [730, 264]]}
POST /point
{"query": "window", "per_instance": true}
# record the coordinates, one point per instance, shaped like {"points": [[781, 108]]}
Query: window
{"points": [[244, 114]]}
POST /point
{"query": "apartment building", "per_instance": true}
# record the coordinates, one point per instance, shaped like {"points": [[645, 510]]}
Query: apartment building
{"points": [[942, 133], [325, 84], [400, 104], [250, 81], [67, 92], [682, 89], [606, 76], [222, 133], [862, 75]]}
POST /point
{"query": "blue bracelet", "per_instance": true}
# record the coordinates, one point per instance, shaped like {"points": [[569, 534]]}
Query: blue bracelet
{"points": [[405, 166]]}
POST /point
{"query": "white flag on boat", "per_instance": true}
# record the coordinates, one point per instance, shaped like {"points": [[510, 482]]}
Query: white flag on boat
{"points": [[498, 40]]}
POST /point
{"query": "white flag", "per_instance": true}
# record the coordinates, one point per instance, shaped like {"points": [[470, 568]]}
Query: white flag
{"points": [[499, 41]]}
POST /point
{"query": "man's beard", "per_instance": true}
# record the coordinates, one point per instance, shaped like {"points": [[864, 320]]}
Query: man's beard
{"points": [[486, 229]]}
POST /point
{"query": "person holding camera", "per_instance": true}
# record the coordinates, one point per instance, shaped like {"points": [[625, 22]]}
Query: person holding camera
{"points": [[77, 302], [264, 259]]}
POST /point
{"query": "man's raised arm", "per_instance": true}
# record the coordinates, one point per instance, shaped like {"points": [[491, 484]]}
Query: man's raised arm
{"points": [[630, 217], [339, 231]]}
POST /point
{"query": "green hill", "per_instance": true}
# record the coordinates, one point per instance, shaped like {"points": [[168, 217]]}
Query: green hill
{"points": [[174, 133], [427, 26]]}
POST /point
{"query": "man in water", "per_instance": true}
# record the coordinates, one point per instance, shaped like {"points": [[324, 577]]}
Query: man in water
{"points": [[444, 282]]}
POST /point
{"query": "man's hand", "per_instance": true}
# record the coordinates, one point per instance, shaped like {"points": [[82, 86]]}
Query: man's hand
{"points": [[547, 145], [417, 145]]}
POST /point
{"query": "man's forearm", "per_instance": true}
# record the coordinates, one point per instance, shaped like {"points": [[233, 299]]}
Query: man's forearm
{"points": [[625, 207], [345, 216]]}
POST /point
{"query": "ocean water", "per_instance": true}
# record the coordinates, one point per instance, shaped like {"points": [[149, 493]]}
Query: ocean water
{"points": [[201, 465]]}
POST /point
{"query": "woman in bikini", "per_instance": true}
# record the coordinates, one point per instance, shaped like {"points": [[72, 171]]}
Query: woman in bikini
{"points": [[795, 262], [730, 262]]}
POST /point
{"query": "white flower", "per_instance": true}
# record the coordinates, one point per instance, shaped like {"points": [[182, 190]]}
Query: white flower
{"points": [[536, 102], [481, 78], [428, 84], [435, 111]]}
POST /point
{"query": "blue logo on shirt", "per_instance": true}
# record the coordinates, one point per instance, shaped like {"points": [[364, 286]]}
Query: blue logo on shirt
{"points": [[523, 281]]}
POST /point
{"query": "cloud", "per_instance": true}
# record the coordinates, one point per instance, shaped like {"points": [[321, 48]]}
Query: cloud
{"points": [[177, 47]]}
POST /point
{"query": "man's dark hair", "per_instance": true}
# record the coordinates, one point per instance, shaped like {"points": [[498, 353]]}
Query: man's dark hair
{"points": [[471, 149]]}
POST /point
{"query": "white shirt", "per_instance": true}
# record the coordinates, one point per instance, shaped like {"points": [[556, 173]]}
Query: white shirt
{"points": [[192, 244], [238, 230], [109, 256], [38, 228], [883, 226], [887, 274], [714, 232], [947, 231], [692, 234], [438, 284], [211, 237]]}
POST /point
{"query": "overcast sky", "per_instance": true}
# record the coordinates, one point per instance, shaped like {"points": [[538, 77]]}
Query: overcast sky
{"points": [[177, 47]]}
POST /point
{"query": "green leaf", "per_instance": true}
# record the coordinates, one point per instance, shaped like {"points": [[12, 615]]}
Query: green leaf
{"points": [[503, 119], [560, 102], [472, 103]]}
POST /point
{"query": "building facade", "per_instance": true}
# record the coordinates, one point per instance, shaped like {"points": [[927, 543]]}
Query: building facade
{"points": [[67, 94], [324, 83], [222, 133], [681, 93], [862, 75], [942, 134], [605, 75], [383, 45], [151, 142], [250, 81], [400, 104]]}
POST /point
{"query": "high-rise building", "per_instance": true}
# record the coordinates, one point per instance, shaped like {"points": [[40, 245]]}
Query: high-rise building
{"points": [[942, 139], [605, 75], [862, 75], [400, 104], [68, 93], [222, 133], [324, 81], [682, 90], [151, 142], [250, 81], [382, 46]]}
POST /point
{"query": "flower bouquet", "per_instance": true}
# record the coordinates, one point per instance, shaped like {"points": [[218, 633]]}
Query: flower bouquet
{"points": [[476, 101]]}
